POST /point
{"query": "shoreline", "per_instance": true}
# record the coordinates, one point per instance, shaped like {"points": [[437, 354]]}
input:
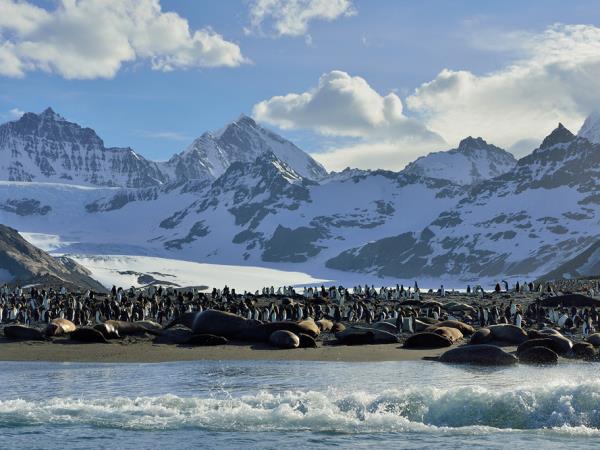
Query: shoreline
{"points": [[147, 352]]}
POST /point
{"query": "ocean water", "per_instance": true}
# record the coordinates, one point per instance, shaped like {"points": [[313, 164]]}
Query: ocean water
{"points": [[258, 404]]}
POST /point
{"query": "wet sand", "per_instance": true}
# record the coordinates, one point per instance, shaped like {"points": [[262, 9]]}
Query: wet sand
{"points": [[144, 351]]}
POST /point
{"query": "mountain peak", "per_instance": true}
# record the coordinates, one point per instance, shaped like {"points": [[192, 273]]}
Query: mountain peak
{"points": [[559, 135], [470, 143], [49, 114], [590, 129]]}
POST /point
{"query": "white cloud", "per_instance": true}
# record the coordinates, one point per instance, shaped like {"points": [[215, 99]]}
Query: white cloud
{"points": [[376, 154], [342, 105], [555, 78], [292, 17], [166, 135], [93, 38], [16, 113]]}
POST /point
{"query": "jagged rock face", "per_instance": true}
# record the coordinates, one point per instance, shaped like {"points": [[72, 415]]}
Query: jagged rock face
{"points": [[211, 154], [542, 212], [46, 147], [23, 263], [473, 161]]}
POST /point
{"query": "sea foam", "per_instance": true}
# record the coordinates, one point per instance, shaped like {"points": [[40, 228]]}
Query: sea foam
{"points": [[563, 408]]}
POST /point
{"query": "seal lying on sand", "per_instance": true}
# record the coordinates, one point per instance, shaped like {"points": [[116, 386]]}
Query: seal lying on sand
{"points": [[488, 355], [86, 334], [307, 341], [451, 333], [129, 328], [362, 336], [324, 325], [427, 340], [60, 327], [218, 323], [561, 344], [107, 330], [23, 333], [583, 350], [206, 340], [540, 342], [385, 326], [464, 328], [501, 334], [538, 355], [284, 339], [481, 336], [594, 339]]}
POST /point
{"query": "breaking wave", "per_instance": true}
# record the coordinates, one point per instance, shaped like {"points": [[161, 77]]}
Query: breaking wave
{"points": [[560, 408]]}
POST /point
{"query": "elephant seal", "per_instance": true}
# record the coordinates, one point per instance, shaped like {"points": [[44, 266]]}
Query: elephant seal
{"points": [[481, 336], [385, 326], [212, 321], [130, 328], [453, 334], [562, 345], [371, 336], [583, 350], [86, 334], [312, 329], [149, 325], [507, 333], [480, 354], [206, 340], [23, 333], [338, 327], [594, 339], [284, 339], [421, 326], [427, 340], [538, 355], [60, 327], [178, 335], [324, 325], [364, 338], [540, 342], [107, 330], [307, 341], [464, 328], [263, 331], [428, 320]]}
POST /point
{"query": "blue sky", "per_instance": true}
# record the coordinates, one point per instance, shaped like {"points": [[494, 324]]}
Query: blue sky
{"points": [[393, 46]]}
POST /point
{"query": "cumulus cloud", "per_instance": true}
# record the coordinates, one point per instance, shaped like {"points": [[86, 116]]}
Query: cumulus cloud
{"points": [[93, 38], [292, 17], [556, 77], [16, 113], [344, 105]]}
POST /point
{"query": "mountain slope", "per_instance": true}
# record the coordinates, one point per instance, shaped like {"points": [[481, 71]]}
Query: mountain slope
{"points": [[46, 147], [526, 221], [209, 156], [585, 264], [22, 263], [473, 161]]}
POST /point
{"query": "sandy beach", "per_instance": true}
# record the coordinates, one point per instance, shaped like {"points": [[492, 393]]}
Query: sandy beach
{"points": [[145, 351]]}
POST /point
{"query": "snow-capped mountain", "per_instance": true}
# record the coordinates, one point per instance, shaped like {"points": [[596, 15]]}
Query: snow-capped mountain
{"points": [[209, 156], [403, 225], [46, 147], [473, 161], [591, 128], [529, 220]]}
